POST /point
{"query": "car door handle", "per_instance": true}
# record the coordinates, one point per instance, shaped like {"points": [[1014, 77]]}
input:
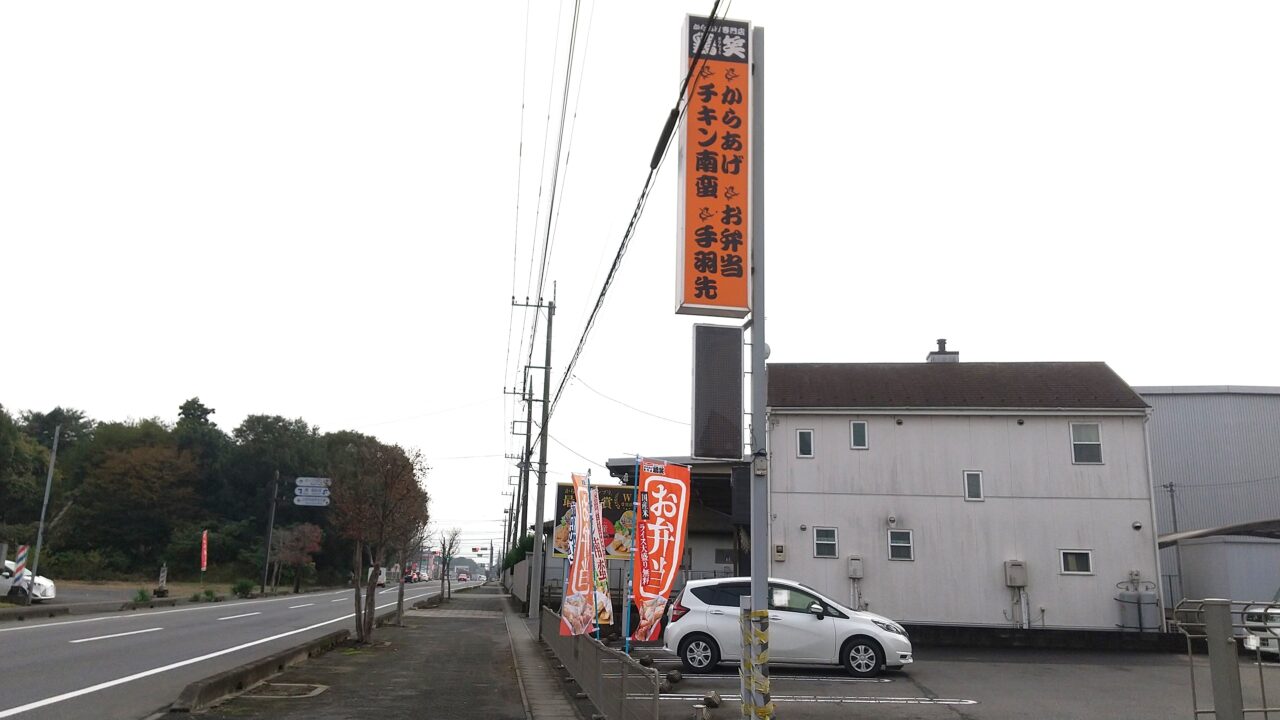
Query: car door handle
{"points": [[775, 617], [715, 612]]}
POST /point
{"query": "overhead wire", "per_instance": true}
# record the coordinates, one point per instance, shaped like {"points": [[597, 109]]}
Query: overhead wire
{"points": [[515, 235], [660, 154], [578, 378]]}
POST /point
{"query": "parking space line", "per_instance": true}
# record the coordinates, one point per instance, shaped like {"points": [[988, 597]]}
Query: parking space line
{"points": [[834, 699], [233, 617], [800, 678], [115, 635]]}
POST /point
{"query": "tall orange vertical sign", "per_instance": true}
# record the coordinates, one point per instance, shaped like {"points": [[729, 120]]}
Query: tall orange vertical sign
{"points": [[661, 531], [715, 171]]}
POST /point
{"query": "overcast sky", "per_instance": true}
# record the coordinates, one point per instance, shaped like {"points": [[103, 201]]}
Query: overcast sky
{"points": [[310, 208]]}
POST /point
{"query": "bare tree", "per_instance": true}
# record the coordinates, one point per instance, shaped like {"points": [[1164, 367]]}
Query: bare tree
{"points": [[449, 542], [376, 495], [407, 536]]}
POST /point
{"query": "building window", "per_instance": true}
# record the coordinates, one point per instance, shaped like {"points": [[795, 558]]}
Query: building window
{"points": [[857, 435], [824, 543], [901, 545], [724, 556], [804, 443], [1077, 562], [1086, 443], [973, 485]]}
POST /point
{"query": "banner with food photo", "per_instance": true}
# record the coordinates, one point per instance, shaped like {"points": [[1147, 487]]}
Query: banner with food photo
{"points": [[660, 536], [617, 520], [599, 565], [577, 609]]}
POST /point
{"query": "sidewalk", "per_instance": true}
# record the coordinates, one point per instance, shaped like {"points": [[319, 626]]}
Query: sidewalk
{"points": [[447, 663]]}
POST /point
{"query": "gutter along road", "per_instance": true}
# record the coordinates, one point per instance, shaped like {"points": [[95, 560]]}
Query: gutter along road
{"points": [[131, 664]]}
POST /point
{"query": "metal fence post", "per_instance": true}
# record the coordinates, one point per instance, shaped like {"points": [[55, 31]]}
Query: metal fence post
{"points": [[1224, 667]]}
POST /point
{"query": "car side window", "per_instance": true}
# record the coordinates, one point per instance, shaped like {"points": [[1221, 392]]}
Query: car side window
{"points": [[790, 599], [731, 595]]}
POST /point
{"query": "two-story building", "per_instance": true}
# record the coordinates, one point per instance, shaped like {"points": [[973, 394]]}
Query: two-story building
{"points": [[962, 493]]}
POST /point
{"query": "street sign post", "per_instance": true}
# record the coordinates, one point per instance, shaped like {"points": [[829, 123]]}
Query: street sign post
{"points": [[312, 482], [316, 491], [311, 500]]}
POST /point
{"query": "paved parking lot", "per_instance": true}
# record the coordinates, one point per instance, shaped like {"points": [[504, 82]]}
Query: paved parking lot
{"points": [[983, 685]]}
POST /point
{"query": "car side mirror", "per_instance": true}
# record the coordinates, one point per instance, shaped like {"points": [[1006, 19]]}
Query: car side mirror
{"points": [[816, 609]]}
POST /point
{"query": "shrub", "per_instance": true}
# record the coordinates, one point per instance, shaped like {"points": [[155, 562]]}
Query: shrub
{"points": [[142, 596], [195, 597], [209, 595], [242, 588]]}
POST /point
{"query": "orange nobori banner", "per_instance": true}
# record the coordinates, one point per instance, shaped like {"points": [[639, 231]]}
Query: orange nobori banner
{"points": [[715, 171], [577, 609], [660, 536]]}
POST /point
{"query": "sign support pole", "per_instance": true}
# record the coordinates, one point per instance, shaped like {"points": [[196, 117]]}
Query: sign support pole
{"points": [[759, 702], [271, 527]]}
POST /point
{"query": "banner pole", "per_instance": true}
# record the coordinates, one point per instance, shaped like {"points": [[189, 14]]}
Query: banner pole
{"points": [[629, 592], [591, 545]]}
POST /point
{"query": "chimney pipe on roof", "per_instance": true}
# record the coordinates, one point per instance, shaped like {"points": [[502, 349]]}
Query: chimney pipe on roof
{"points": [[942, 354]]}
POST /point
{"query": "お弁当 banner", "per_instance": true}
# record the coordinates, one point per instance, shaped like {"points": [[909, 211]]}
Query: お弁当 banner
{"points": [[715, 177], [660, 536]]}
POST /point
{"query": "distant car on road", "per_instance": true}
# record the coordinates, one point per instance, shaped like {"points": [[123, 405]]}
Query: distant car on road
{"points": [[41, 589], [805, 628], [464, 577]]}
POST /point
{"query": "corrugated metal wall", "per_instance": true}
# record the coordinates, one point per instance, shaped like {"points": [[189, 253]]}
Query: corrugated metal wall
{"points": [[1221, 451]]}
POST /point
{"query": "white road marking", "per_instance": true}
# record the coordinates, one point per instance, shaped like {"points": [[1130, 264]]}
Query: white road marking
{"points": [[150, 613], [338, 600], [233, 617], [116, 635], [852, 699], [295, 607], [37, 704]]}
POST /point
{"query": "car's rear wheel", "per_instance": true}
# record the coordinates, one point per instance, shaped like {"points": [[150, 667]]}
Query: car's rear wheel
{"points": [[17, 594], [862, 657], [699, 653]]}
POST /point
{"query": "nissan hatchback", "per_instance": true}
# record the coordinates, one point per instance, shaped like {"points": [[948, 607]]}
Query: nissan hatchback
{"points": [[805, 627]]}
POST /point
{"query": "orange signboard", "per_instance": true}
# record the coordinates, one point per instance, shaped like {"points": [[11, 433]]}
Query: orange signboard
{"points": [[715, 171], [660, 536]]}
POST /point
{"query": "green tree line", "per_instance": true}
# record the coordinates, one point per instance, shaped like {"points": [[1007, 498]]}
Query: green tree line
{"points": [[129, 496]]}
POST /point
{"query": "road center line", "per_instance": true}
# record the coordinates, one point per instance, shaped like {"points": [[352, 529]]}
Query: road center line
{"points": [[173, 666], [295, 607], [338, 600], [116, 635], [233, 617]]}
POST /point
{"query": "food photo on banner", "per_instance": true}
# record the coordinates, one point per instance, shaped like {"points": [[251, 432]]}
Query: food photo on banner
{"points": [[660, 534], [599, 564], [581, 598]]}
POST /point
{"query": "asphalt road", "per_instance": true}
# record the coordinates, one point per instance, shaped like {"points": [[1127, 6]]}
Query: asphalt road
{"points": [[130, 665]]}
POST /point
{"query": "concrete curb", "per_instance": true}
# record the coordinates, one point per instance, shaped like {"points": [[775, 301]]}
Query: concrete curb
{"points": [[34, 611], [203, 693]]}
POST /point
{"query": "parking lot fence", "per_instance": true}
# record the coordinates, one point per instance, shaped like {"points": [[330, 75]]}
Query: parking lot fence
{"points": [[619, 686], [1224, 626]]}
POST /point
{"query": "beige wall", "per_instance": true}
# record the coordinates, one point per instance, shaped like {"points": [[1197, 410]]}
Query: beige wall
{"points": [[1036, 503]]}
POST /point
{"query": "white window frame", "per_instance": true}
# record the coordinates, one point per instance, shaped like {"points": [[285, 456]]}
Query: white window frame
{"points": [[812, 442], [866, 435], [982, 490], [1102, 458], [911, 543], [1062, 561], [835, 540]]}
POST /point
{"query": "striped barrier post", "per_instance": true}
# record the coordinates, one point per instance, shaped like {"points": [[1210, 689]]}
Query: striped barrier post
{"points": [[21, 563]]}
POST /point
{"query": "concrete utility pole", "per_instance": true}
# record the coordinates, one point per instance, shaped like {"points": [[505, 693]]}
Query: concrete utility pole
{"points": [[535, 575], [271, 527], [1177, 548], [48, 484], [759, 393]]}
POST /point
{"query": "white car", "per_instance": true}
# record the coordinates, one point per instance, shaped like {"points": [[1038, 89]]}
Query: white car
{"points": [[41, 589], [805, 628]]}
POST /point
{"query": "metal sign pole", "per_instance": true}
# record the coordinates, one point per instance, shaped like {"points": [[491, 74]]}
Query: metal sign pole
{"points": [[759, 399]]}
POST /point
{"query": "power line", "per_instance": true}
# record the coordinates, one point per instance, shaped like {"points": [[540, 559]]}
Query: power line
{"points": [[659, 155], [575, 452], [515, 235], [625, 405], [1190, 486]]}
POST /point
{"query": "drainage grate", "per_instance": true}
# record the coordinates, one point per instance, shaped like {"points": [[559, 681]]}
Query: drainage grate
{"points": [[285, 691]]}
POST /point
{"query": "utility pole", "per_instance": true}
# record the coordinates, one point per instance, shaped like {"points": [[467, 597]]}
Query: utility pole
{"points": [[1177, 547], [271, 527], [48, 484], [759, 399]]}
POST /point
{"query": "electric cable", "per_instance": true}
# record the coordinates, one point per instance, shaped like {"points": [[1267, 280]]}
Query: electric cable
{"points": [[625, 405]]}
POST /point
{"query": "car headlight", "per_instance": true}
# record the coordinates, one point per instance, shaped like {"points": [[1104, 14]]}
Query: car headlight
{"points": [[890, 627]]}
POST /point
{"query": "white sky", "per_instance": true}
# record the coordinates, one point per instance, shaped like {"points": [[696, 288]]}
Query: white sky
{"points": [[308, 208]]}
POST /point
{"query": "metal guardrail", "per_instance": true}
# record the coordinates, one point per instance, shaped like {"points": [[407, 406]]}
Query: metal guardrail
{"points": [[1221, 624], [619, 686]]}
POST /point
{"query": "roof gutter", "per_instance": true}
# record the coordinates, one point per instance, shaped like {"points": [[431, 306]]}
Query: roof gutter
{"points": [[1131, 412]]}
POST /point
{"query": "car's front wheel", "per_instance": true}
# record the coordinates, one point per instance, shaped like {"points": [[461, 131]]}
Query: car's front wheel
{"points": [[17, 594], [862, 657], [699, 653]]}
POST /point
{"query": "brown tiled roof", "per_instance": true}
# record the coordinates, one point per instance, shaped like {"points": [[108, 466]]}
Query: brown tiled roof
{"points": [[1081, 385]]}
